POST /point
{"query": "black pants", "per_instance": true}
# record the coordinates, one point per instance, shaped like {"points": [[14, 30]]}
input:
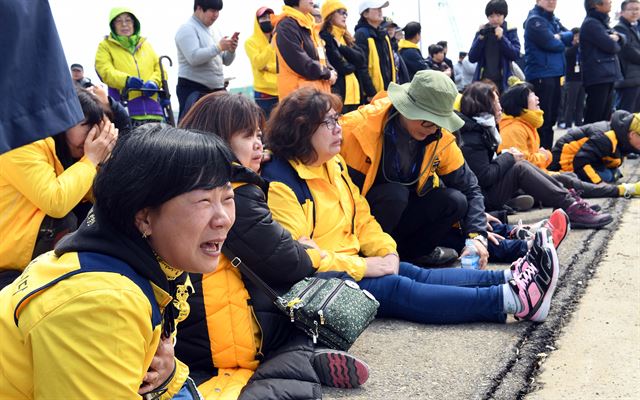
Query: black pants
{"points": [[628, 99], [588, 190], [574, 103], [548, 91], [532, 181], [188, 93], [599, 100], [416, 223]]}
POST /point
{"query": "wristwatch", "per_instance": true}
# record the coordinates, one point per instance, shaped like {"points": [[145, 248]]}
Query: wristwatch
{"points": [[480, 238]]}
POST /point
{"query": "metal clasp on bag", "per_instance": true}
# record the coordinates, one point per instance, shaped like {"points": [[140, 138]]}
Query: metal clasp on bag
{"points": [[314, 335], [321, 315], [236, 262]]}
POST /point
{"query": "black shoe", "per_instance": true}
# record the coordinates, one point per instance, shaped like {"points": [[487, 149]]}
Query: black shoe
{"points": [[339, 369], [522, 202], [439, 256], [633, 156]]}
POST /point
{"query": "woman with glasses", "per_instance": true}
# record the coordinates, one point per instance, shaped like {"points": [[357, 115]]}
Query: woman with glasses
{"points": [[342, 53], [127, 63], [312, 196]]}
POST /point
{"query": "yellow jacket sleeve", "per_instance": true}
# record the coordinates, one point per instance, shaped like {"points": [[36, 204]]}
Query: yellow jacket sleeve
{"points": [[104, 67], [177, 381], [106, 353], [30, 172], [262, 59], [298, 220], [517, 136]]}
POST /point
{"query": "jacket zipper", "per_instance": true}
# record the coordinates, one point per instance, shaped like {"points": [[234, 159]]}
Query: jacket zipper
{"points": [[255, 317]]}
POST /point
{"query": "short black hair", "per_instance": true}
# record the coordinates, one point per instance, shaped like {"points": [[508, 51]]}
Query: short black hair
{"points": [[153, 164], [477, 98], [443, 43], [589, 4], [411, 30], [462, 54], [292, 3], [435, 49], [499, 7], [515, 99], [626, 2], [91, 107], [575, 30], [207, 5]]}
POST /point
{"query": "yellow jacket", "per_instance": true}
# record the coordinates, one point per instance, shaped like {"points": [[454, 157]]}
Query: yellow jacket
{"points": [[518, 133], [114, 64], [309, 53], [33, 184], [337, 217], [362, 132], [70, 330], [262, 56]]}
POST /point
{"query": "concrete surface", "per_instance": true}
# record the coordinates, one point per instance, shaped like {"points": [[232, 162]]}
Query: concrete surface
{"points": [[495, 361], [598, 352]]}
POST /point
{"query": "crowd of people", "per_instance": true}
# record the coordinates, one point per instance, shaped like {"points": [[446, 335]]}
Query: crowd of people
{"points": [[357, 158]]}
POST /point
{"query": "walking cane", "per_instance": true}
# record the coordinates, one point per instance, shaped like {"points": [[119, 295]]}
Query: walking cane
{"points": [[167, 95]]}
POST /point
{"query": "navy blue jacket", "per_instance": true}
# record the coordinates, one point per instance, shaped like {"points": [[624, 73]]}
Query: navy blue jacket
{"points": [[413, 60], [38, 98], [599, 53], [544, 54], [629, 55], [509, 51]]}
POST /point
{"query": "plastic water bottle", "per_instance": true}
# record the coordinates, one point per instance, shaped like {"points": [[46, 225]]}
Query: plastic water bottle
{"points": [[471, 260]]}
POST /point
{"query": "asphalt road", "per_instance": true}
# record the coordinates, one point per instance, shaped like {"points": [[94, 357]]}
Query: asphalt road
{"points": [[503, 361]]}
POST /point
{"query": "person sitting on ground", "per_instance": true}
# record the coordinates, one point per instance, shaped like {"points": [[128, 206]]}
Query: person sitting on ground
{"points": [[495, 46], [127, 63], [45, 187], [410, 51], [228, 312], [522, 116], [301, 57], [398, 149], [304, 134], [113, 280], [501, 176], [435, 61], [343, 54], [596, 151], [262, 56]]}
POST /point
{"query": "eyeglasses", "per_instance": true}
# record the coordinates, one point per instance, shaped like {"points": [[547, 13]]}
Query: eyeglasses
{"points": [[123, 21], [427, 124], [343, 12], [332, 122]]}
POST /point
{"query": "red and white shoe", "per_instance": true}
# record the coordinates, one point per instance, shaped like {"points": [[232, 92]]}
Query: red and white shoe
{"points": [[339, 369], [559, 226]]}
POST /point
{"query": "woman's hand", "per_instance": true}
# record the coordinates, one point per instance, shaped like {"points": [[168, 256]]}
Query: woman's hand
{"points": [[490, 219], [381, 266], [546, 153], [333, 78], [482, 252], [100, 141], [517, 154], [161, 367], [494, 238], [310, 243]]}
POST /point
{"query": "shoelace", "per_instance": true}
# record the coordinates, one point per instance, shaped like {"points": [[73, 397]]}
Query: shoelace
{"points": [[527, 274], [584, 205]]}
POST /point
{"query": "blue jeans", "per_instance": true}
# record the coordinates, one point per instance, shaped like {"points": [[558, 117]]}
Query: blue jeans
{"points": [[265, 102], [439, 296]]}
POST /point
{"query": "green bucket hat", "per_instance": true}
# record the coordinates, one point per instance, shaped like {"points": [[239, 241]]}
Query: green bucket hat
{"points": [[429, 97]]}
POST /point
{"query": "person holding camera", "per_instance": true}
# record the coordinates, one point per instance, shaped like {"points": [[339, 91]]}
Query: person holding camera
{"points": [[495, 46]]}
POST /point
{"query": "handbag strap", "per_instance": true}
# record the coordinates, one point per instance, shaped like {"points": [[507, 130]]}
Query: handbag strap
{"points": [[236, 262]]}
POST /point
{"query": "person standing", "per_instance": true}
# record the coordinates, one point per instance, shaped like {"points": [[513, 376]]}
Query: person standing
{"points": [[628, 90], [463, 71], [495, 46], [301, 56], [445, 46], [573, 110], [343, 54], [410, 51], [262, 56], [545, 40], [599, 46], [376, 45], [201, 54], [127, 63]]}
